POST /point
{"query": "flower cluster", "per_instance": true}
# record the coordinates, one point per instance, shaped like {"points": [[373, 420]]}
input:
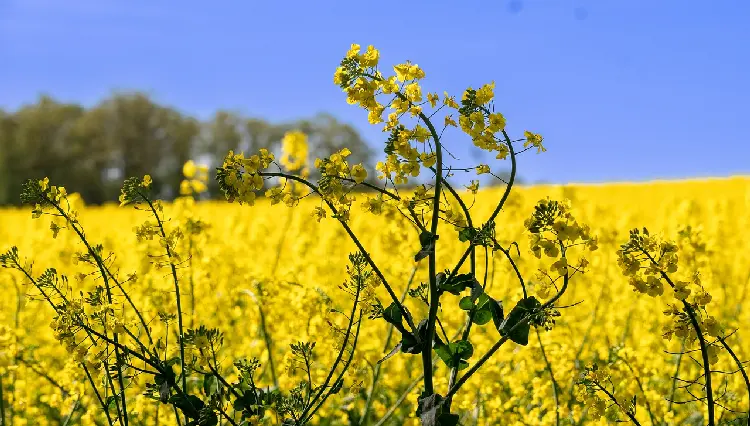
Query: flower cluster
{"points": [[240, 177], [553, 230], [196, 178]]}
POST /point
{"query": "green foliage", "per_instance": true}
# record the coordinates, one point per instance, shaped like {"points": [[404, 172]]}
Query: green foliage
{"points": [[129, 134], [516, 326]]}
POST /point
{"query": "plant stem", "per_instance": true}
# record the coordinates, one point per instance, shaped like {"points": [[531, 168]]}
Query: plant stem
{"points": [[452, 391], [360, 247], [363, 419], [742, 371], [701, 340], [643, 391], [612, 397], [103, 270], [98, 395], [555, 387], [2, 402], [674, 380], [170, 255], [338, 357]]}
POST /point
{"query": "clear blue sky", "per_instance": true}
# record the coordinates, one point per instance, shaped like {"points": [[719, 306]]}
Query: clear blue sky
{"points": [[621, 90]]}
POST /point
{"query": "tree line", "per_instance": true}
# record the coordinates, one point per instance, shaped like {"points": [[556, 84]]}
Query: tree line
{"points": [[90, 150]]}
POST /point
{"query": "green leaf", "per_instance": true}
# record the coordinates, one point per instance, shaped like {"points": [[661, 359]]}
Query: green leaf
{"points": [[455, 354], [513, 326], [409, 342], [207, 418], [482, 300], [393, 351], [427, 240], [392, 314], [482, 316], [210, 385], [466, 304], [497, 312], [457, 283], [190, 405], [466, 234]]}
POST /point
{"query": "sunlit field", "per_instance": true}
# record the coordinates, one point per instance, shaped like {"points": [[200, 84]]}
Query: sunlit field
{"points": [[269, 276]]}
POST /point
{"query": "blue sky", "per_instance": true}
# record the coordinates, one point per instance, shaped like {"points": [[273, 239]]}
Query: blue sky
{"points": [[621, 90]]}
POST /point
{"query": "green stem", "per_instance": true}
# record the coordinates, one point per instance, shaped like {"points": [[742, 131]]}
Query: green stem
{"points": [[643, 391], [2, 402], [555, 386], [353, 237], [399, 401], [102, 269], [674, 379], [630, 415], [340, 377], [742, 371], [340, 355], [432, 261], [452, 391], [701, 340], [183, 372], [98, 395], [363, 419]]}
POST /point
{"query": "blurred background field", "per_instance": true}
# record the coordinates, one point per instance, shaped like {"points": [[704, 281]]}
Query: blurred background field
{"points": [[233, 256]]}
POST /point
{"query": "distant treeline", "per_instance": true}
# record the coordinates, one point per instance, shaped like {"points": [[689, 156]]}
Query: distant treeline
{"points": [[91, 150]]}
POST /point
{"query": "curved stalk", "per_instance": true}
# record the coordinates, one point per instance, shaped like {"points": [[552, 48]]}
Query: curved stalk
{"points": [[357, 242], [363, 419], [555, 387]]}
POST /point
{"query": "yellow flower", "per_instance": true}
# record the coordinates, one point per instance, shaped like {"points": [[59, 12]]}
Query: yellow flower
{"points": [[413, 92], [408, 71], [353, 51], [294, 150], [147, 181], [370, 57], [359, 174], [319, 213], [189, 169], [44, 184], [433, 98], [485, 93], [535, 140]]}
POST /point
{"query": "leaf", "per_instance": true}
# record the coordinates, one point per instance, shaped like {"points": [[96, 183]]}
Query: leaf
{"points": [[476, 290], [207, 418], [482, 300], [409, 344], [456, 284], [497, 312], [455, 354], [392, 314], [482, 316], [513, 327], [393, 351], [210, 385], [432, 412], [190, 405], [466, 303], [466, 234], [427, 240]]}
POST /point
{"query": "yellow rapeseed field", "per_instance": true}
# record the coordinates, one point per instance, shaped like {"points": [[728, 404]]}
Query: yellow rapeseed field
{"points": [[247, 267]]}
